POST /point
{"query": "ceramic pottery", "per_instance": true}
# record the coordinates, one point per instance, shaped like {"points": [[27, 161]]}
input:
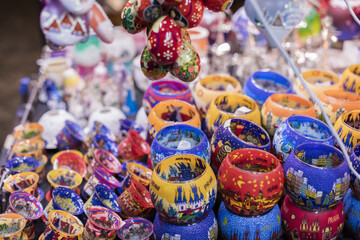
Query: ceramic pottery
{"points": [[263, 84], [126, 125], [135, 228], [29, 148], [54, 158], [106, 161], [150, 68], [100, 129], [279, 107], [237, 227], [25, 181], [300, 224], [135, 199], [183, 189], [336, 103], [99, 176], [12, 226], [160, 91], [171, 112], [28, 131], [103, 196], [218, 5], [133, 147], [103, 142], [206, 229], [102, 224], [317, 176], [139, 172], [70, 160], [234, 134], [355, 160], [179, 139], [164, 41], [188, 14], [22, 164], [299, 129], [63, 226], [348, 128], [352, 214], [130, 21], [70, 137], [251, 181], [350, 79], [228, 106], [64, 178]]}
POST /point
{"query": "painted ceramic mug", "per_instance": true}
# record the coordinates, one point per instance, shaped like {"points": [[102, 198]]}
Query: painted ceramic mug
{"points": [[137, 228], [350, 79], [29, 148], [70, 137], [28, 131], [347, 126], [12, 226], [22, 164], [133, 147], [25, 181], [103, 196]]}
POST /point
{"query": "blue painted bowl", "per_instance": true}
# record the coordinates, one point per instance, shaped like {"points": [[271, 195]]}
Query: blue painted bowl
{"points": [[317, 176], [99, 176], [70, 137], [101, 129], [104, 197], [355, 160], [299, 129], [103, 142], [179, 139], [126, 125], [352, 214], [25, 204], [22, 164], [265, 227], [135, 228], [204, 230]]}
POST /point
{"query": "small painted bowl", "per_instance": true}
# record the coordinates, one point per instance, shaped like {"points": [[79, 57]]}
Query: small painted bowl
{"points": [[355, 161], [348, 128], [13, 226], [317, 176], [101, 129], [28, 131], [135, 228], [126, 125], [179, 139], [29, 148], [105, 160], [352, 214], [187, 185], [299, 129], [248, 174], [279, 107], [63, 225], [237, 133], [54, 158], [229, 106], [103, 142], [100, 176], [133, 147], [327, 225], [139, 172], [233, 226], [64, 178], [203, 230], [70, 160], [70, 137], [25, 181], [350, 79], [103, 196], [22, 164]]}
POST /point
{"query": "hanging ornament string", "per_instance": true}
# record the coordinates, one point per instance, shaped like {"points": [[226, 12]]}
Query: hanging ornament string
{"points": [[352, 12], [276, 43]]}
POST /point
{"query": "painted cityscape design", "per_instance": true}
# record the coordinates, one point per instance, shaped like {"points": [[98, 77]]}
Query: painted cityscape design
{"points": [[352, 120], [173, 138], [309, 129], [239, 234], [25, 205]]}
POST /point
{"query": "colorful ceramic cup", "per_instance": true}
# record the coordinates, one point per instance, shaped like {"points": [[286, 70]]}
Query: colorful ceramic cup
{"points": [[28, 131], [54, 157], [103, 196], [237, 133], [106, 161], [301, 224], [103, 142], [63, 226], [101, 129], [29, 148], [204, 230], [139, 172], [64, 178], [25, 181], [99, 176], [263, 84], [13, 225], [229, 106], [183, 189], [70, 160], [102, 224], [163, 90], [355, 161], [22, 164], [126, 125], [317, 176], [133, 147], [279, 107], [171, 112], [348, 128], [251, 181], [299, 129], [233, 226], [70, 137], [135, 228], [352, 214], [179, 139], [336, 103], [350, 79]]}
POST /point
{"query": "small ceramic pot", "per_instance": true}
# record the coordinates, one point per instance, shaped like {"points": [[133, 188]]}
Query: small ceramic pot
{"points": [[299, 129], [183, 189], [99, 176], [103, 142], [63, 226], [317, 176], [133, 147], [336, 103], [126, 125], [22, 164], [13, 225], [140, 173], [347, 126], [251, 181], [204, 230], [70, 137], [25, 181], [28, 131], [355, 161], [234, 134], [179, 139], [64, 178], [352, 214], [56, 155], [102, 224], [301, 224], [137, 228], [70, 160], [265, 226], [229, 106], [103, 196], [218, 5], [263, 84], [29, 148], [350, 79], [106, 161], [162, 90], [279, 107], [171, 112]]}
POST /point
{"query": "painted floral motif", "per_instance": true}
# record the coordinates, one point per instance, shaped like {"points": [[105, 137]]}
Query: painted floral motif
{"points": [[131, 23]]}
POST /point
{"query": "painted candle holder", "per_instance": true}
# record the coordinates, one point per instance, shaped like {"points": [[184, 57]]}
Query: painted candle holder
{"points": [[229, 106], [70, 160], [348, 128], [135, 228], [350, 79], [163, 90], [355, 161], [29, 148], [352, 214], [183, 189], [133, 147], [263, 84], [64, 178], [13, 225], [139, 172], [279, 107], [299, 129], [102, 224], [25, 181], [103, 196], [171, 112], [251, 181], [29, 207], [233, 226], [100, 176], [70, 137], [100, 129], [28, 131], [301, 224], [22, 164], [203, 230], [126, 125], [234, 134], [106, 161], [317, 176], [54, 158], [63, 226], [103, 142]]}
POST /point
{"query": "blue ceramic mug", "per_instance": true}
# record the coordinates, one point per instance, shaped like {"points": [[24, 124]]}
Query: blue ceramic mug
{"points": [[103, 196], [70, 137]]}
